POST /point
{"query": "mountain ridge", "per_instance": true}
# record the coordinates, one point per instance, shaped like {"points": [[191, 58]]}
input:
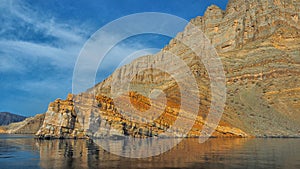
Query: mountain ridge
{"points": [[7, 118], [29, 125]]}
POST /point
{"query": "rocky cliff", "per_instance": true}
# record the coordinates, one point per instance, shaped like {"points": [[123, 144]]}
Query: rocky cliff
{"points": [[259, 45]]}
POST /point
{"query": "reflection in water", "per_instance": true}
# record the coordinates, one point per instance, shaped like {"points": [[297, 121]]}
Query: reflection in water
{"points": [[136, 147], [85, 154], [215, 153], [67, 153]]}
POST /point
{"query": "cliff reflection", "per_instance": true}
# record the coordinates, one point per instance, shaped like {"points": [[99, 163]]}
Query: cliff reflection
{"points": [[86, 154], [67, 153], [26, 152]]}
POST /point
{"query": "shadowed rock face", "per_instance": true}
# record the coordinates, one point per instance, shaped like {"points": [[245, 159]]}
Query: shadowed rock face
{"points": [[28, 126], [7, 118], [259, 45]]}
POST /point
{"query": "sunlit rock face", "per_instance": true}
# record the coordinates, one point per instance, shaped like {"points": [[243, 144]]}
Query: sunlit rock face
{"points": [[245, 21], [85, 116], [259, 45], [61, 120]]}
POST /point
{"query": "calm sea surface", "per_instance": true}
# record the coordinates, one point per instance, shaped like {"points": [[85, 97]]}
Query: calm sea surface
{"points": [[19, 151]]}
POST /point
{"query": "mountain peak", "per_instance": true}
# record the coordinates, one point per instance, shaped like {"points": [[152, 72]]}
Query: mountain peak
{"points": [[212, 8], [213, 12], [246, 21]]}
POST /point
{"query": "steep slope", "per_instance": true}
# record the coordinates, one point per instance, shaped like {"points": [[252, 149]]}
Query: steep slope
{"points": [[264, 91], [7, 118], [259, 45]]}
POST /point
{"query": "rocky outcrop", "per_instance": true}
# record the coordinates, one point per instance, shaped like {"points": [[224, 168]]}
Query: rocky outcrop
{"points": [[7, 118], [258, 43], [61, 121], [83, 116]]}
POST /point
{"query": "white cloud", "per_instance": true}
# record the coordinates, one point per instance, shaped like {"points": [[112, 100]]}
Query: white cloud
{"points": [[61, 57], [63, 31], [11, 64], [61, 52]]}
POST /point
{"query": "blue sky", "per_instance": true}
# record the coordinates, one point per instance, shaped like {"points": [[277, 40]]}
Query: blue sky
{"points": [[40, 41]]}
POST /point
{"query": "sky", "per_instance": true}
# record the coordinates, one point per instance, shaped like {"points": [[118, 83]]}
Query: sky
{"points": [[41, 40]]}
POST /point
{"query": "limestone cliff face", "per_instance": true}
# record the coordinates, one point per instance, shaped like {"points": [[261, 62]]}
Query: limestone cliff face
{"points": [[259, 45], [246, 21], [98, 118], [61, 121]]}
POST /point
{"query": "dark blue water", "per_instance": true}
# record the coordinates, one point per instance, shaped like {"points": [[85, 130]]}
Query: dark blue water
{"points": [[19, 151]]}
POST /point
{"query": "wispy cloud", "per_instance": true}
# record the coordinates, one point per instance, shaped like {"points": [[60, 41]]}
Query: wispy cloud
{"points": [[47, 24], [37, 56], [61, 57], [59, 43], [63, 39], [10, 64]]}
